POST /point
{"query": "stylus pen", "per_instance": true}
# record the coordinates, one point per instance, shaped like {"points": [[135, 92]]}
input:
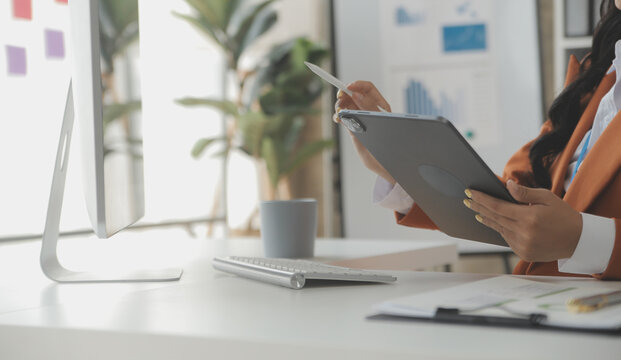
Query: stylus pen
{"points": [[595, 302], [332, 80]]}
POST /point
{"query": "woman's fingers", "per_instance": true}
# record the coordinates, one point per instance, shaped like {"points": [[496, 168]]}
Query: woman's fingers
{"points": [[498, 206], [343, 101], [500, 228], [367, 96], [546, 229], [486, 213]]}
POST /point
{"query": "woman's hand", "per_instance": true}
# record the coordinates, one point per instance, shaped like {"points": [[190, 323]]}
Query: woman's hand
{"points": [[542, 228], [365, 96]]}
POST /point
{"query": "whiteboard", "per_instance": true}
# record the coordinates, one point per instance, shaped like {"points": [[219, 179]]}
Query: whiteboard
{"points": [[366, 48]]}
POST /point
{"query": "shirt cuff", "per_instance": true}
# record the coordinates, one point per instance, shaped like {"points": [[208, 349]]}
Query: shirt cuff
{"points": [[594, 247], [391, 196]]}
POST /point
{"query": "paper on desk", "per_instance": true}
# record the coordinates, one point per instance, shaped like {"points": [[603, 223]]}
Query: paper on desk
{"points": [[469, 297], [508, 296]]}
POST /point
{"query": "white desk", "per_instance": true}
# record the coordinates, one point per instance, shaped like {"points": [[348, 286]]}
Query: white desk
{"points": [[210, 315]]}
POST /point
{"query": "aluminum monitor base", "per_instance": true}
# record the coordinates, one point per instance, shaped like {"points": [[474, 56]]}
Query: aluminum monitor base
{"points": [[50, 264]]}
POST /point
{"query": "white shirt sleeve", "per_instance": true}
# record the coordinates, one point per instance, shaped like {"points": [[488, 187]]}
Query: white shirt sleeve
{"points": [[594, 247], [392, 197]]}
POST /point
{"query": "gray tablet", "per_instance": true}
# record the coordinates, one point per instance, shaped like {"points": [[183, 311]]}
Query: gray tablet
{"points": [[434, 164]]}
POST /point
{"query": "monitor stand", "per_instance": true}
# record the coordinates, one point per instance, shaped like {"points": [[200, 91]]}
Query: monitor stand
{"points": [[50, 264]]}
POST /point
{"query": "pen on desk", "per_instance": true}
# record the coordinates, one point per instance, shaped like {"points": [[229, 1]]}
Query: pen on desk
{"points": [[334, 81], [595, 302]]}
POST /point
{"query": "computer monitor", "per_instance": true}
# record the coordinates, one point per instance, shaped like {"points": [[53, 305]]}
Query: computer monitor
{"points": [[106, 83], [104, 97]]}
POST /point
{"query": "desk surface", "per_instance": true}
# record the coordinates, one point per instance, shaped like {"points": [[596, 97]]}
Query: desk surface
{"points": [[208, 313]]}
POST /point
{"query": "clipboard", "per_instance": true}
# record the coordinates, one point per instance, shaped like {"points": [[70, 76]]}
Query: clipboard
{"points": [[434, 164], [486, 321], [503, 301]]}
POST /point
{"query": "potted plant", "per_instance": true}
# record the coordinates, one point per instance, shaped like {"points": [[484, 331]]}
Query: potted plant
{"points": [[275, 98]]}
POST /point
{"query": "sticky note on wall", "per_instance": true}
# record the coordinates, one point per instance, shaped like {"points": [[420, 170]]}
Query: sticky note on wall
{"points": [[54, 44], [22, 9], [16, 60]]}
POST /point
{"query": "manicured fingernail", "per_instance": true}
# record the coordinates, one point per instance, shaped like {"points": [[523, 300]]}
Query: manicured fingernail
{"points": [[468, 203], [339, 93], [468, 193], [479, 218]]}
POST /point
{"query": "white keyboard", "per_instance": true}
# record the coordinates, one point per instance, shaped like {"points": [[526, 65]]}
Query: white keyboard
{"points": [[293, 273]]}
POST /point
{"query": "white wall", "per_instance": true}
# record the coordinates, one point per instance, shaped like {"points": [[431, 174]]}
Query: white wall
{"points": [[31, 110]]}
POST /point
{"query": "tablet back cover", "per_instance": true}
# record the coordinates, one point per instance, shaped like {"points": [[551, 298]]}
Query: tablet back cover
{"points": [[434, 164]]}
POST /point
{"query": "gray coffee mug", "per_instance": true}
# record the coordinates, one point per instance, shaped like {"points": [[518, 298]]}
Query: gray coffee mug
{"points": [[289, 227]]}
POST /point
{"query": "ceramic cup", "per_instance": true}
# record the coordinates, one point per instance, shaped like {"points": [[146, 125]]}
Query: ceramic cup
{"points": [[288, 228]]}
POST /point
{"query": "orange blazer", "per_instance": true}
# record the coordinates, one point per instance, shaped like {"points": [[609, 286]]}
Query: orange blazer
{"points": [[596, 188]]}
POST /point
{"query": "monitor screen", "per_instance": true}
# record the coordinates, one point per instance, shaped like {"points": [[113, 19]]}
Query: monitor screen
{"points": [[108, 111]]}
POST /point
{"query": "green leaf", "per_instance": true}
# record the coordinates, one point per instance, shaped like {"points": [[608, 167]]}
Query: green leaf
{"points": [[209, 10], [118, 14], [292, 136], [306, 152], [248, 31], [122, 42], [299, 53], [205, 27], [262, 24], [285, 85], [252, 126], [114, 111], [223, 153], [118, 25], [232, 9], [202, 144], [269, 154], [276, 125], [227, 107]]}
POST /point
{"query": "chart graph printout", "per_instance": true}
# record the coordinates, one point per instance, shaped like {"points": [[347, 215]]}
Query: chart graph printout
{"points": [[419, 100], [438, 60]]}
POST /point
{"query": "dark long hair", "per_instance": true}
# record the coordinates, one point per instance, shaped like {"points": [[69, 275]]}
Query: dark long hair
{"points": [[568, 107]]}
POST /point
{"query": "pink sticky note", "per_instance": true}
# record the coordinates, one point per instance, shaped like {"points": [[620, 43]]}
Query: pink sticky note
{"points": [[22, 9]]}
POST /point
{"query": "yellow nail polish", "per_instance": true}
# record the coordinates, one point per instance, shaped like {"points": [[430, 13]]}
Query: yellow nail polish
{"points": [[468, 193], [479, 218], [468, 203]]}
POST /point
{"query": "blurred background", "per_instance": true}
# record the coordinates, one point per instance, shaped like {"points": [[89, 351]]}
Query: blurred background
{"points": [[231, 116]]}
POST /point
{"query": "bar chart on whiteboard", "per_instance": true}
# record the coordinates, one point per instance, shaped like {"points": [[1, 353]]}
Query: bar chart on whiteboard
{"points": [[438, 60], [419, 100]]}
